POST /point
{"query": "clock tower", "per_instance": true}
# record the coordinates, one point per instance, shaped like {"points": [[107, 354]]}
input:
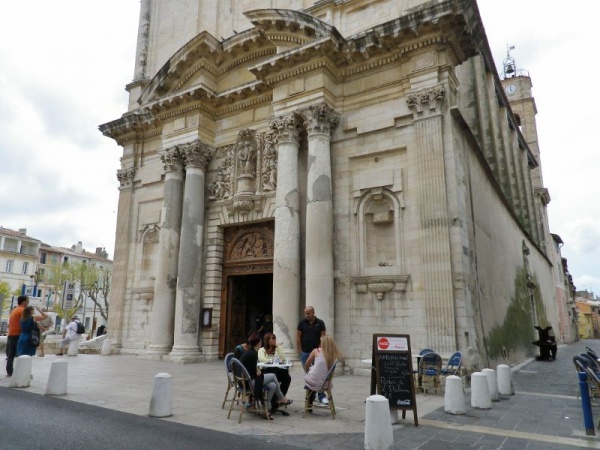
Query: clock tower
{"points": [[517, 87]]}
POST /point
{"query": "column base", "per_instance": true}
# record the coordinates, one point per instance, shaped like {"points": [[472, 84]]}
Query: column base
{"points": [[157, 351], [186, 355]]}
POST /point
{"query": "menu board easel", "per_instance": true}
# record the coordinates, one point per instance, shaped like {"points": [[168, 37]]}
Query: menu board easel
{"points": [[392, 373]]}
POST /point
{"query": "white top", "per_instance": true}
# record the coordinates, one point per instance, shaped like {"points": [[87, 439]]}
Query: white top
{"points": [[72, 331]]}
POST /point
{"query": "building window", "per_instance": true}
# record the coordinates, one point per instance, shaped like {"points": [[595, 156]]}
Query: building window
{"points": [[25, 268], [9, 265], [43, 258]]}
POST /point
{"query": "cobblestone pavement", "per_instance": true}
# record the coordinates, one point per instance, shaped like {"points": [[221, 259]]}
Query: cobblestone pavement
{"points": [[545, 413]]}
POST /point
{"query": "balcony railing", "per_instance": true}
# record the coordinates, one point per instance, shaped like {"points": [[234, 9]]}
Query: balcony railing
{"points": [[23, 250]]}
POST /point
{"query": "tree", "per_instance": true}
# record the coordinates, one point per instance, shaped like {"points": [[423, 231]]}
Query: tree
{"points": [[95, 284]]}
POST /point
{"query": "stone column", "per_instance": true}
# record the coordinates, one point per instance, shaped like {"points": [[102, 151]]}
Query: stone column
{"points": [[117, 294], [286, 257], [163, 310], [189, 284], [320, 120], [438, 293]]}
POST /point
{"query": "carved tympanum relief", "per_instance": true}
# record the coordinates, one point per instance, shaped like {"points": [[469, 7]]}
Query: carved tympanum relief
{"points": [[248, 169], [249, 242]]}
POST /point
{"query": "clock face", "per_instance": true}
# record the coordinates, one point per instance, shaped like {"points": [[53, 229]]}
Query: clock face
{"points": [[510, 89]]}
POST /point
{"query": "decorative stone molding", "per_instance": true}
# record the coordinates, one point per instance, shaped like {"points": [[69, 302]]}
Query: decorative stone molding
{"points": [[196, 154], [171, 159], [381, 285], [319, 119], [269, 164], [426, 102], [125, 176]]}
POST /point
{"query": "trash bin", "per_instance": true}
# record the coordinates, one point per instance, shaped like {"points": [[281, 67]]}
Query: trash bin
{"points": [[547, 344]]}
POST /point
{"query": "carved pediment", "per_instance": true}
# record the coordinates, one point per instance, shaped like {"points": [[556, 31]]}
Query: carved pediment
{"points": [[249, 242]]}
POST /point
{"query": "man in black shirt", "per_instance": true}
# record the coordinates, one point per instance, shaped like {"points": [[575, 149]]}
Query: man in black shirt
{"points": [[308, 337]]}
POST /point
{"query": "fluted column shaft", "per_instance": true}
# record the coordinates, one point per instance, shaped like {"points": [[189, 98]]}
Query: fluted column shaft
{"points": [[320, 120], [117, 305], [438, 293], [163, 310], [286, 257], [189, 285]]}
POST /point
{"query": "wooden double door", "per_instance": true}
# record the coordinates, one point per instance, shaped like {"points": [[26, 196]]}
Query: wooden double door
{"points": [[247, 287]]}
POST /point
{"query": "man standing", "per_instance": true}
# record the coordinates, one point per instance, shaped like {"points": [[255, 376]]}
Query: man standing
{"points": [[308, 337], [45, 326], [69, 334], [14, 330]]}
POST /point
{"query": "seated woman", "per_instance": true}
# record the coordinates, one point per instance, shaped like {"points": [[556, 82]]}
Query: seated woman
{"points": [[323, 358], [269, 381], [24, 346], [271, 351]]}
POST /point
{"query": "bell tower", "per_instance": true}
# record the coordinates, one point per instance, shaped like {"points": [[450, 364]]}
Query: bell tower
{"points": [[517, 86]]}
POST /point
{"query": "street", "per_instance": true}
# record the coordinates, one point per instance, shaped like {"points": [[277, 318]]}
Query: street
{"points": [[32, 421]]}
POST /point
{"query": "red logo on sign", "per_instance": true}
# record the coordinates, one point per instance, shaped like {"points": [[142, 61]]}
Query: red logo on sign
{"points": [[383, 343]]}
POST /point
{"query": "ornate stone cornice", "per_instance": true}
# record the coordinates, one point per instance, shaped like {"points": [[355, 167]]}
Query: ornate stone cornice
{"points": [[286, 128], [171, 159], [319, 119], [196, 154], [427, 102], [125, 176]]}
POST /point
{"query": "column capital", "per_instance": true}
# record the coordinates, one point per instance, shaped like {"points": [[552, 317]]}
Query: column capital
{"points": [[196, 154], [426, 102], [286, 128], [125, 176], [320, 119], [171, 159]]}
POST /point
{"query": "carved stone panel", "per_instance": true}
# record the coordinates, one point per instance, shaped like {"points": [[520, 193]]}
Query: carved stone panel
{"points": [[249, 243], [248, 170]]}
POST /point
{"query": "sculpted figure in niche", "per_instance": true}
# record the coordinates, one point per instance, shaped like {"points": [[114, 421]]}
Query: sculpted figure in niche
{"points": [[246, 158]]}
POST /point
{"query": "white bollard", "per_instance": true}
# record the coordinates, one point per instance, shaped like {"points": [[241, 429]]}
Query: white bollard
{"points": [[57, 380], [492, 384], [378, 423], [480, 391], [106, 350], [454, 398], [505, 384], [21, 377], [160, 404], [73, 348]]}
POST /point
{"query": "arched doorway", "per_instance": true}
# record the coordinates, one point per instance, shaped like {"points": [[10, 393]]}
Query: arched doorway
{"points": [[247, 287]]}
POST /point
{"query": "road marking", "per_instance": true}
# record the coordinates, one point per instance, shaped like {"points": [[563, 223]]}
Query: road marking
{"points": [[583, 442]]}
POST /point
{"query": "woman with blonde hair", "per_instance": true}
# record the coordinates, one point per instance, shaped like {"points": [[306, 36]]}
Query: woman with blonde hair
{"points": [[323, 358]]}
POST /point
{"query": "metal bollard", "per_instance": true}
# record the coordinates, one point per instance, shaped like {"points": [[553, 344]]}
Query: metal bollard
{"points": [[586, 405]]}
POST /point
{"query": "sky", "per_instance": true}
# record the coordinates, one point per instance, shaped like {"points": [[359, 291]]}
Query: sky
{"points": [[64, 65]]}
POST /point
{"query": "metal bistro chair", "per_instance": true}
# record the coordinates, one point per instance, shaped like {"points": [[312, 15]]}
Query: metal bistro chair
{"points": [[430, 368], [453, 366], [416, 375], [592, 353], [325, 388], [244, 387], [229, 372]]}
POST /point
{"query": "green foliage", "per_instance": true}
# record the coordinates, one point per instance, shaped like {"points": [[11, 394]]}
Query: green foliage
{"points": [[517, 332]]}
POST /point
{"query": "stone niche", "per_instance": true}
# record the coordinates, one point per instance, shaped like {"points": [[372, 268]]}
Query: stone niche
{"points": [[378, 206]]}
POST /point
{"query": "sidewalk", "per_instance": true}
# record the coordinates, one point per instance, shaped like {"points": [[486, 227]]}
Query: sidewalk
{"points": [[544, 413]]}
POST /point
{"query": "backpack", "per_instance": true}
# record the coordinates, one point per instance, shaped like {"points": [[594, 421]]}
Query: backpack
{"points": [[80, 328]]}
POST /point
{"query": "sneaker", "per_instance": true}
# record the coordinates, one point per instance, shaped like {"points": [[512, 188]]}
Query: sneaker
{"points": [[323, 400]]}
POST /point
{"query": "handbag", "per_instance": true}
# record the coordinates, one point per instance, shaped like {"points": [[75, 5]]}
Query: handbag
{"points": [[35, 335]]}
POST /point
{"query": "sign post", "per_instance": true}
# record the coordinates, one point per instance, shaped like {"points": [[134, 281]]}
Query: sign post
{"points": [[392, 373]]}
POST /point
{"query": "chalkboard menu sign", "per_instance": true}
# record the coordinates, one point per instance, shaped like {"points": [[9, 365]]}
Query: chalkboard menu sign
{"points": [[392, 373]]}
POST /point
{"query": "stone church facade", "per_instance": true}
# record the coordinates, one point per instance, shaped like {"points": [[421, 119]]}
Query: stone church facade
{"points": [[358, 156]]}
